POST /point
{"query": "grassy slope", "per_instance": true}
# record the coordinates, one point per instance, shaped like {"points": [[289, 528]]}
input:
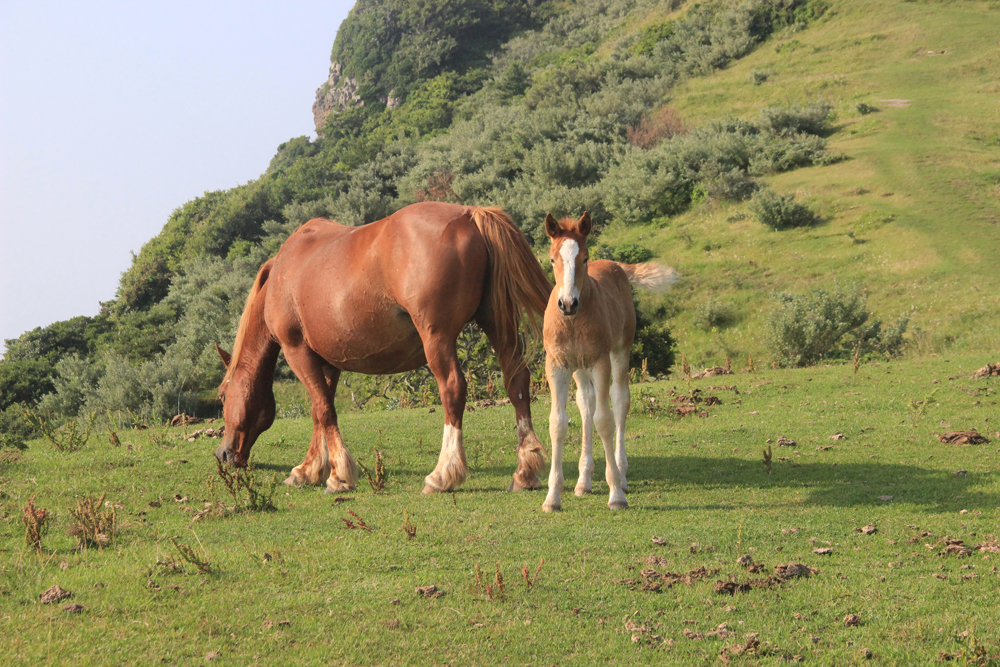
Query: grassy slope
{"points": [[927, 251], [693, 482]]}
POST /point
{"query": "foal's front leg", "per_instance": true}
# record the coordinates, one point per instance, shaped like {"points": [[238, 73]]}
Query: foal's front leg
{"points": [[585, 401], [558, 427]]}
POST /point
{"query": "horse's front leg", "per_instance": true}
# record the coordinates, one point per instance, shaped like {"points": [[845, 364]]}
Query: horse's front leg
{"points": [[586, 402], [328, 461], [451, 469], [558, 427]]}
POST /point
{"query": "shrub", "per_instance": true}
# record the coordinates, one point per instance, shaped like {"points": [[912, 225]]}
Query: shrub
{"points": [[780, 211], [652, 128], [810, 119], [714, 314], [807, 327], [759, 76], [865, 109]]}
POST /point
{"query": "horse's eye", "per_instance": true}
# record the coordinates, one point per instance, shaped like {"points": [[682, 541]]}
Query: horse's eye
{"points": [[551, 261]]}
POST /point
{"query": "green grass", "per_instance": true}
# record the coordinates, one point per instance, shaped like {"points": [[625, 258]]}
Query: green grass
{"points": [[697, 483], [917, 192]]}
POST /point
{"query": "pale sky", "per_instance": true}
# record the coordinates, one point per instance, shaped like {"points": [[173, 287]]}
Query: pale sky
{"points": [[114, 113]]}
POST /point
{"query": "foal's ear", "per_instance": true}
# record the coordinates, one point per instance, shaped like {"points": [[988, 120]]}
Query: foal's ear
{"points": [[226, 357], [583, 225], [552, 227]]}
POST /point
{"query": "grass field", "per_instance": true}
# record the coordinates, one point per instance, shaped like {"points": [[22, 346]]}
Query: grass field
{"points": [[912, 213], [297, 586]]}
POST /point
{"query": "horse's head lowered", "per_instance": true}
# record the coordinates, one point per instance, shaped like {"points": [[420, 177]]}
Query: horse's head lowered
{"points": [[248, 410], [569, 256]]}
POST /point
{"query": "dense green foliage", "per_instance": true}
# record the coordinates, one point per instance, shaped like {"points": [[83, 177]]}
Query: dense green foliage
{"points": [[804, 328], [537, 107]]}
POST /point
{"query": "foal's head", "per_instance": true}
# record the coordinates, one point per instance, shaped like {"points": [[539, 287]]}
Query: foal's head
{"points": [[569, 257]]}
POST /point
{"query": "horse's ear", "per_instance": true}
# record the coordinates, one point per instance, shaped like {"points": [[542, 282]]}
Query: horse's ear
{"points": [[226, 357], [552, 227], [583, 225]]}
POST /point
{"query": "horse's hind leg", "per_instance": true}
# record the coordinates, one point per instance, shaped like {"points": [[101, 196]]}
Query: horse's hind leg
{"points": [[451, 469], [621, 400], [517, 382], [327, 460]]}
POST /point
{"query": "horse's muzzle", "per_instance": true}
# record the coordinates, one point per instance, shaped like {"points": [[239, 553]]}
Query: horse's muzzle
{"points": [[569, 306], [227, 456]]}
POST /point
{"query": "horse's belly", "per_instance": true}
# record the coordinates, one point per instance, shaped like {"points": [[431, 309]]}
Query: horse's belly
{"points": [[376, 343]]}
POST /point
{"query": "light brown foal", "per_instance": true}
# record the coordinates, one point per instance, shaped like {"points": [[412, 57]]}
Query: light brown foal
{"points": [[589, 327]]}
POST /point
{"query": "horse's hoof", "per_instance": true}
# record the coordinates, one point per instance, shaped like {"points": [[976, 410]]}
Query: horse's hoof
{"points": [[428, 490], [338, 486], [618, 505], [529, 485], [551, 507], [292, 480], [581, 491]]}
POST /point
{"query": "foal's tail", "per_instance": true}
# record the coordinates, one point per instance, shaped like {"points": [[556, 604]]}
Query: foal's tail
{"points": [[649, 276], [517, 288]]}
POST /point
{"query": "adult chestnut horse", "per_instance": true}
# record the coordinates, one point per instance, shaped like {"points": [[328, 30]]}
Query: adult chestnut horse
{"points": [[387, 297]]}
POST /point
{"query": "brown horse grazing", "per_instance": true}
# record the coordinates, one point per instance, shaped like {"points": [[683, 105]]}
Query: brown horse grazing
{"points": [[387, 297], [589, 327]]}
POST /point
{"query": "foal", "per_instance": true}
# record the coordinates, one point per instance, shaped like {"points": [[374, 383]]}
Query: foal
{"points": [[589, 327]]}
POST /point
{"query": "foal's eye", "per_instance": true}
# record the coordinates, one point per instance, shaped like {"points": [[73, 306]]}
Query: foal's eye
{"points": [[551, 261]]}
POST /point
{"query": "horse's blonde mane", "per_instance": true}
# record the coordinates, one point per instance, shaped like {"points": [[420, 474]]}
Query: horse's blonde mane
{"points": [[245, 318]]}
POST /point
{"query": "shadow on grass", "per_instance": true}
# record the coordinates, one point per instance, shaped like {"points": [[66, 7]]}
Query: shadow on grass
{"points": [[832, 484]]}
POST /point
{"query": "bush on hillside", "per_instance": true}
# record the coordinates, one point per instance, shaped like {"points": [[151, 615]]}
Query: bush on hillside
{"points": [[805, 328], [780, 211], [808, 119]]}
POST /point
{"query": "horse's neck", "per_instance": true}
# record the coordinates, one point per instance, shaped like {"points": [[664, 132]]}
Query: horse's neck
{"points": [[259, 353]]}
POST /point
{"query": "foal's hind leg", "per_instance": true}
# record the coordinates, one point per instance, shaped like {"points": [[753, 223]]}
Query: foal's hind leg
{"points": [[327, 460], [517, 382], [621, 400], [442, 359]]}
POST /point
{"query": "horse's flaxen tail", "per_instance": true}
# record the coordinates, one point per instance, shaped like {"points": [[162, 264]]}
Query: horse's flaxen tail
{"points": [[517, 288], [253, 316], [649, 276]]}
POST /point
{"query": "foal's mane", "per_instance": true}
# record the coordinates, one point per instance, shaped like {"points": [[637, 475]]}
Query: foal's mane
{"points": [[248, 318]]}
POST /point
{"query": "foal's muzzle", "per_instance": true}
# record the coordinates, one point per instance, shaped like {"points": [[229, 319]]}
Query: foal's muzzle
{"points": [[569, 306]]}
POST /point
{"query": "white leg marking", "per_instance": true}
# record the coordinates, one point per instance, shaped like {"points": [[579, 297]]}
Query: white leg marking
{"points": [[603, 418], [585, 401], [344, 472], [451, 469], [558, 426], [621, 399]]}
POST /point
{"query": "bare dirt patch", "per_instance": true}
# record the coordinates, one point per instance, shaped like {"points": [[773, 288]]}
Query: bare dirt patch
{"points": [[971, 437]]}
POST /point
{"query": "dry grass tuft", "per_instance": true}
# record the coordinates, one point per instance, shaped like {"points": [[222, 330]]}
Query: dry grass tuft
{"points": [[95, 524], [34, 520]]}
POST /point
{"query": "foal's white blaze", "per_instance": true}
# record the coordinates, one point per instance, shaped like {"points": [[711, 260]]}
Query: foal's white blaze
{"points": [[569, 250]]}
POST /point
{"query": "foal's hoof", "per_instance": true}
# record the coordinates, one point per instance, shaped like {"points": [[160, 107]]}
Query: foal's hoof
{"points": [[292, 480], [428, 490], [581, 491], [618, 505], [551, 507]]}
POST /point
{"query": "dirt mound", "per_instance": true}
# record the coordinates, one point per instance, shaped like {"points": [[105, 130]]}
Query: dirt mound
{"points": [[962, 438], [989, 370]]}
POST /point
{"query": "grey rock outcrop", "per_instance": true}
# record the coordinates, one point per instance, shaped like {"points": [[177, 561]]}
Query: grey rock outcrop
{"points": [[339, 92]]}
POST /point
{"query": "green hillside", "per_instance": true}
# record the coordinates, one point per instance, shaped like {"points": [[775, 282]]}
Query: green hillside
{"points": [[663, 119]]}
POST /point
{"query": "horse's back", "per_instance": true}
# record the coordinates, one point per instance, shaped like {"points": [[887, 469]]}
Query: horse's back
{"points": [[365, 293]]}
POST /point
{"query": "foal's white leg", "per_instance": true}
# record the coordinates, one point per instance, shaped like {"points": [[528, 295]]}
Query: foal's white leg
{"points": [[558, 427], [585, 401], [621, 400]]}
